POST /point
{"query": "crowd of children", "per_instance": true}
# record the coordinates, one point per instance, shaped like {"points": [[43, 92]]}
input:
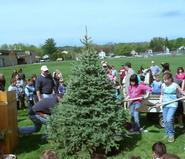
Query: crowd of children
{"points": [[133, 86]]}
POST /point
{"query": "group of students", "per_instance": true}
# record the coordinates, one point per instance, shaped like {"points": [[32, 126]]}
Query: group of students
{"points": [[26, 89], [134, 87]]}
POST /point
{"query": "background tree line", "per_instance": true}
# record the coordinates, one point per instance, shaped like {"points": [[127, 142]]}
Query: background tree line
{"points": [[49, 47]]}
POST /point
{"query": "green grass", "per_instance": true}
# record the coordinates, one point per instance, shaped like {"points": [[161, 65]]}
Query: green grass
{"points": [[30, 147]]}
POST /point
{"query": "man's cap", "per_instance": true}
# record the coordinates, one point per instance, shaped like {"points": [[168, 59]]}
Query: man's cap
{"points": [[152, 62], [104, 64], [44, 68]]}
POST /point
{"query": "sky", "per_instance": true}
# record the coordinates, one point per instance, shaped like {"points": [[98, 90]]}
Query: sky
{"points": [[107, 21]]}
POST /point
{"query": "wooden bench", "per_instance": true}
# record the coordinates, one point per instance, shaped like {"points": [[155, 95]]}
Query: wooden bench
{"points": [[8, 121]]}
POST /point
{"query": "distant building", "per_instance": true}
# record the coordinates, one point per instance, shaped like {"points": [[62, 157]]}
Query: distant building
{"points": [[11, 58], [7, 58], [133, 53], [101, 54], [149, 52], [167, 50], [26, 57], [181, 50]]}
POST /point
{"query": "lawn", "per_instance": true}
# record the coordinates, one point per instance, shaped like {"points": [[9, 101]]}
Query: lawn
{"points": [[31, 146]]}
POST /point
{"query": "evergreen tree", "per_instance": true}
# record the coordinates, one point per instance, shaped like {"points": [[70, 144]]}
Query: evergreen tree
{"points": [[87, 120]]}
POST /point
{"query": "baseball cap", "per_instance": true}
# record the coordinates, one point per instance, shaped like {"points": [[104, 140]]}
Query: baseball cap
{"points": [[44, 68], [152, 62], [104, 64]]}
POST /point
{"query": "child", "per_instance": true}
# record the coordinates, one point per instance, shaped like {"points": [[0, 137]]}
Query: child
{"points": [[156, 85], [29, 92], [114, 71], [180, 75], [158, 150], [49, 154], [110, 76], [61, 88], [57, 75], [118, 90], [166, 67], [135, 90], [169, 92], [142, 80], [14, 88], [33, 79], [20, 85]]}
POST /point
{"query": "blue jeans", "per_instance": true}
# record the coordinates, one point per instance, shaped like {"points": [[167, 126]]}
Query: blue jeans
{"points": [[37, 121], [168, 115], [135, 116]]}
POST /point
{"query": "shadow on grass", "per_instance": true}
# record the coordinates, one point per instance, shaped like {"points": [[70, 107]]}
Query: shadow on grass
{"points": [[128, 144], [149, 119], [179, 132], [131, 142], [29, 143]]}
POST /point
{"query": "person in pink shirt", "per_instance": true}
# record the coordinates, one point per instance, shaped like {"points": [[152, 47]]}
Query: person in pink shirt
{"points": [[136, 90], [180, 75]]}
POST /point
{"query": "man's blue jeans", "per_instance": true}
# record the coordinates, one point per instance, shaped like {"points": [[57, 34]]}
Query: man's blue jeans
{"points": [[37, 120], [168, 115], [135, 116]]}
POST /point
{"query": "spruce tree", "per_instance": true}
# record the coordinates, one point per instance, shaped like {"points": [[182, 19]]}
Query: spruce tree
{"points": [[88, 119]]}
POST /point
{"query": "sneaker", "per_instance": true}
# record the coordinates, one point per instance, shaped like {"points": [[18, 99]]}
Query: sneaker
{"points": [[171, 139]]}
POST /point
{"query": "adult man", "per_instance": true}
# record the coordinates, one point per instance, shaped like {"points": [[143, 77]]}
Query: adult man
{"points": [[155, 69], [39, 114], [44, 84]]}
